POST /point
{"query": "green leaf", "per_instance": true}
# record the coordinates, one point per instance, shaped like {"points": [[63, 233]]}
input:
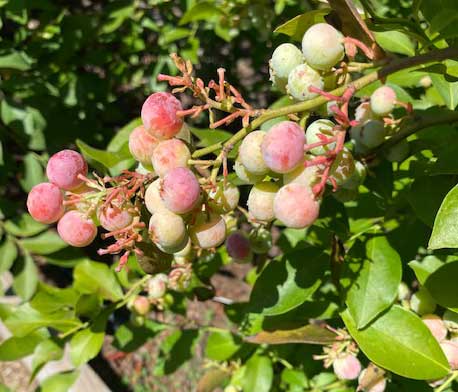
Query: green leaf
{"points": [[25, 276], [205, 10], [122, 136], [176, 349], [207, 137], [400, 342], [287, 283], [426, 267], [130, 337], [44, 244], [87, 343], [296, 27], [16, 60], [8, 253], [26, 319], [373, 277], [60, 382], [426, 194], [93, 277], [49, 299], [445, 229], [109, 159], [441, 284], [33, 172], [48, 350], [16, 347], [24, 226], [308, 334], [447, 90], [221, 345], [442, 16], [395, 41], [258, 374]]}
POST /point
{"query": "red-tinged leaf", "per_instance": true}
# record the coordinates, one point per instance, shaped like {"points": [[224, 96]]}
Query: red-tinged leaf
{"points": [[309, 334]]}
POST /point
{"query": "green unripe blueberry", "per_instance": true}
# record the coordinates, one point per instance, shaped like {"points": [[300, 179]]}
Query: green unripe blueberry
{"points": [[300, 79], [261, 201], [371, 134], [284, 58], [358, 177], [246, 176], [398, 152], [250, 154], [422, 302], [343, 167], [382, 101], [322, 46], [324, 128]]}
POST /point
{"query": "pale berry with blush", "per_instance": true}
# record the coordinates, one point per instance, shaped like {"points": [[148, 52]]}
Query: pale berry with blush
{"points": [[64, 169], [168, 155], [76, 229], [283, 147], [159, 115], [295, 206], [180, 190], [45, 203]]}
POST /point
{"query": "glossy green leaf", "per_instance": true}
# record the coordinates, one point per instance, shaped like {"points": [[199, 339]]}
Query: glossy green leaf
{"points": [[445, 229], [44, 243], [48, 350], [309, 334], [395, 41], [49, 299], [16, 347], [87, 343], [287, 283], [441, 284], [221, 345], [24, 226], [426, 267], [296, 27], [258, 374], [442, 16], [106, 158], [25, 276], [60, 382], [25, 320], [400, 342], [122, 136], [373, 280], [8, 253], [91, 277]]}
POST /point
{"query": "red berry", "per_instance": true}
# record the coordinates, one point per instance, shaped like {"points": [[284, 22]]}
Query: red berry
{"points": [[159, 115], [180, 190], [44, 203], [64, 167], [283, 147], [115, 216], [76, 229]]}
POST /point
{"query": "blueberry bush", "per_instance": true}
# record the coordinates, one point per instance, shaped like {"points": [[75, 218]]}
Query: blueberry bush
{"points": [[331, 173]]}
